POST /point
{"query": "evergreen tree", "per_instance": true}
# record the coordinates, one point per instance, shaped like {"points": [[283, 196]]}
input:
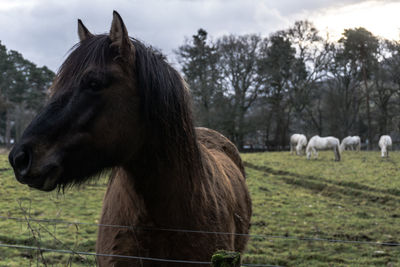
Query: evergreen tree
{"points": [[23, 89], [361, 48], [198, 59]]}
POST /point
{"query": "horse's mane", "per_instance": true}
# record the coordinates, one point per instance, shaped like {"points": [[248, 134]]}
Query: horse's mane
{"points": [[165, 107]]}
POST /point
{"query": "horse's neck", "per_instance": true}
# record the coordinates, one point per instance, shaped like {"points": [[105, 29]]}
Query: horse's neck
{"points": [[167, 193]]}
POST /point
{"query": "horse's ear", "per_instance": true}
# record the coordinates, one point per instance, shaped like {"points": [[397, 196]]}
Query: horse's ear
{"points": [[120, 38], [83, 32]]}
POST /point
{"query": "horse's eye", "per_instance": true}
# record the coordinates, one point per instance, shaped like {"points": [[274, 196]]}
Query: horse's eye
{"points": [[95, 81], [91, 84], [94, 85]]}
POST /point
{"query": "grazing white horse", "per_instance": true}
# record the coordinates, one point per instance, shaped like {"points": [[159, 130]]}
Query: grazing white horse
{"points": [[385, 142], [323, 143], [351, 142], [298, 142]]}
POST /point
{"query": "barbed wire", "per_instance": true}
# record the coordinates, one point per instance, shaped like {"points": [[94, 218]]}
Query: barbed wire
{"points": [[27, 218], [102, 254], [123, 256], [376, 243]]}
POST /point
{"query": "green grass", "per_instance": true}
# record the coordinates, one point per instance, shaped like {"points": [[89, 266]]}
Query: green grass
{"points": [[16, 200], [357, 199]]}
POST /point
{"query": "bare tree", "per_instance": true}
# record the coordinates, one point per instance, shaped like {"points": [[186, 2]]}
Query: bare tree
{"points": [[238, 64]]}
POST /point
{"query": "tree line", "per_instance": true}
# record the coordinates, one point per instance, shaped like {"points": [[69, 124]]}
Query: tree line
{"points": [[23, 90], [258, 91]]}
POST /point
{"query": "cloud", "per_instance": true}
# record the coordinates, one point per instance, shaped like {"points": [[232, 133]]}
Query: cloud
{"points": [[43, 31]]}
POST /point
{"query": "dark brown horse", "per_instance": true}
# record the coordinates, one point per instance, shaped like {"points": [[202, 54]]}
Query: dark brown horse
{"points": [[117, 104]]}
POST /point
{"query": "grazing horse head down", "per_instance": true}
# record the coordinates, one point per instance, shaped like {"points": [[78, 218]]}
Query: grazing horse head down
{"points": [[351, 142], [298, 142], [385, 142], [117, 104], [323, 143]]}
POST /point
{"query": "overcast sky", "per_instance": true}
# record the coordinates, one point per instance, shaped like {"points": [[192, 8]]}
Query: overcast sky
{"points": [[44, 30]]}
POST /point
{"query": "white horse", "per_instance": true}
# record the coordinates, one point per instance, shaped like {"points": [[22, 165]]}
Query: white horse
{"points": [[323, 143], [298, 142], [385, 142], [351, 142]]}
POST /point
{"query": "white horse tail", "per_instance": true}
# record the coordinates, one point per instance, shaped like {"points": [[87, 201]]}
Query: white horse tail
{"points": [[337, 152], [308, 151], [385, 142]]}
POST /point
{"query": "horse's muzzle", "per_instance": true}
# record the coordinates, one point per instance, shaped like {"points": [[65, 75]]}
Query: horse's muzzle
{"points": [[21, 160]]}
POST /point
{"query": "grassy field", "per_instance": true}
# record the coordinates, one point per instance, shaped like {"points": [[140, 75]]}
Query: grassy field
{"points": [[356, 199]]}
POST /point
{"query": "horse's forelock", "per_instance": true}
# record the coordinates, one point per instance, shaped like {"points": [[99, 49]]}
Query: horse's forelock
{"points": [[94, 51]]}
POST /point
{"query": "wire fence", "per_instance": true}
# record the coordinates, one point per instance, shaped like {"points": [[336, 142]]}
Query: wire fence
{"points": [[103, 255], [125, 256], [66, 250], [85, 253], [375, 243], [28, 219]]}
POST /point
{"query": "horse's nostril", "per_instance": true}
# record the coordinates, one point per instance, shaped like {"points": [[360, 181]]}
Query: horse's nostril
{"points": [[22, 162]]}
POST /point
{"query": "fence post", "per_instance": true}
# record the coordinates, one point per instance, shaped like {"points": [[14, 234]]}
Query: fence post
{"points": [[223, 258]]}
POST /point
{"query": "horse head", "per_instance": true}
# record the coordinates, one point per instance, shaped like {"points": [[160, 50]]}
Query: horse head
{"points": [[79, 133]]}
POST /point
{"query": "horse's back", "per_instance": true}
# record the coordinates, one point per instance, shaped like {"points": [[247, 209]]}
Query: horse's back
{"points": [[333, 141], [324, 142], [214, 140], [354, 140]]}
